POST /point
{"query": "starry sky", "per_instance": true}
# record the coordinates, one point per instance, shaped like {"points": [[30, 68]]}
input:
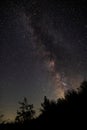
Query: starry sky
{"points": [[43, 50]]}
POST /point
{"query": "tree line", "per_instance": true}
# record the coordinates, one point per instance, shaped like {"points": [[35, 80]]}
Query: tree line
{"points": [[69, 112]]}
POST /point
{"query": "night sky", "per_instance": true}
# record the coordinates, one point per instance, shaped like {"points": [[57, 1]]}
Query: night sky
{"points": [[43, 50]]}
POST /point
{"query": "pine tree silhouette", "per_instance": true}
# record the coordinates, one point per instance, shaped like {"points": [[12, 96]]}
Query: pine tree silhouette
{"points": [[25, 112]]}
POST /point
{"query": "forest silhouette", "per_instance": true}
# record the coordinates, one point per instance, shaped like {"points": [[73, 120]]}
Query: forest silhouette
{"points": [[67, 113]]}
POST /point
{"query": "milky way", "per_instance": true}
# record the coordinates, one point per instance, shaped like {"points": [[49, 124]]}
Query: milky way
{"points": [[43, 50]]}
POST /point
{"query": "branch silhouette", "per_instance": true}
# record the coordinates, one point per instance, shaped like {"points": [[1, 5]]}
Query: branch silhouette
{"points": [[25, 112]]}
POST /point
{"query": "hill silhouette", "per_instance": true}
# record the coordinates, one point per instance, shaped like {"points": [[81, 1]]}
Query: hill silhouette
{"points": [[68, 113]]}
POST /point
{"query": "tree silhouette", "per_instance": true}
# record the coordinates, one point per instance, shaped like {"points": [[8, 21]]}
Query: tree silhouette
{"points": [[48, 112], [1, 119], [47, 105], [25, 112], [60, 114], [71, 109]]}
